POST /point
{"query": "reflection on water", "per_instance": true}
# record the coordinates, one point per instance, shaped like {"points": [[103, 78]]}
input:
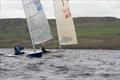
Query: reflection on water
{"points": [[67, 65]]}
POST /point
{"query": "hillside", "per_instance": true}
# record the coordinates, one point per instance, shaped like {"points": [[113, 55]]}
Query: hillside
{"points": [[92, 32]]}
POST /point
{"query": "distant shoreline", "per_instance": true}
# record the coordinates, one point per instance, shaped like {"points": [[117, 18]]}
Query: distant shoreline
{"points": [[92, 33]]}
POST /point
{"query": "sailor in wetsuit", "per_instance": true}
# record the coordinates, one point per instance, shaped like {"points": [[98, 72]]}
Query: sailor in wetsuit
{"points": [[18, 49], [44, 50]]}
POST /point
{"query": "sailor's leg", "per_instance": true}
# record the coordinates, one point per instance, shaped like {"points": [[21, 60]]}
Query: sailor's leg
{"points": [[43, 49], [22, 53]]}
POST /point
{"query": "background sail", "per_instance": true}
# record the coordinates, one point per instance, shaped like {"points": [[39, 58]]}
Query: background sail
{"points": [[65, 25], [38, 25]]}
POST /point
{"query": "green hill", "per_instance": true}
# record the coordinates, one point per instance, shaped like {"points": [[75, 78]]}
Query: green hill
{"points": [[92, 32]]}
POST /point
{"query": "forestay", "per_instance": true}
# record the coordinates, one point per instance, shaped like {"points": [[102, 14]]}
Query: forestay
{"points": [[65, 25], [37, 22]]}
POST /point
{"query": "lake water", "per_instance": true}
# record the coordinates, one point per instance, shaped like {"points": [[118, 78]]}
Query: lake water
{"points": [[73, 64]]}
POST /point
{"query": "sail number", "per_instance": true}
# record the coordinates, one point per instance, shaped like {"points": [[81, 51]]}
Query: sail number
{"points": [[67, 13], [38, 5]]}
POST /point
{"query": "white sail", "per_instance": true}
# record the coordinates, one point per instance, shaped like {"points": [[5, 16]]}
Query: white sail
{"points": [[37, 22], [65, 25]]}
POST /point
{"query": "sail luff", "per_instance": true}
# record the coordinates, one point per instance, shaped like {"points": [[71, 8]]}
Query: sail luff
{"points": [[64, 21], [28, 25], [57, 25], [38, 25]]}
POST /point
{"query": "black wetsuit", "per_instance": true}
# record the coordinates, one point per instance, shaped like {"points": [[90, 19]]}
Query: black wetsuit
{"points": [[18, 50], [44, 50]]}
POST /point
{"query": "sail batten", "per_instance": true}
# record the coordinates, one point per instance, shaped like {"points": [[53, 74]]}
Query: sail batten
{"points": [[37, 22], [33, 15], [28, 3], [64, 21]]}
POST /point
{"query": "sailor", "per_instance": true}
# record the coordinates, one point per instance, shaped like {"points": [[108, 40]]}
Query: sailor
{"points": [[43, 49], [18, 49]]}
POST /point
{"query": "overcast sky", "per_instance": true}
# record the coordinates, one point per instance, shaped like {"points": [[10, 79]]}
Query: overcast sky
{"points": [[80, 8]]}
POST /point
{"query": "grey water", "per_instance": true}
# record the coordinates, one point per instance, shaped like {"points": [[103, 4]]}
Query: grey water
{"points": [[71, 64]]}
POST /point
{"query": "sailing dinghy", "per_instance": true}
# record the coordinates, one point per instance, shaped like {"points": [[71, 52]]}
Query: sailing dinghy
{"points": [[39, 28], [64, 21], [38, 25]]}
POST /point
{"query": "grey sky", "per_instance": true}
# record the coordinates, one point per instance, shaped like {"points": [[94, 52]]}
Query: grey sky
{"points": [[80, 8]]}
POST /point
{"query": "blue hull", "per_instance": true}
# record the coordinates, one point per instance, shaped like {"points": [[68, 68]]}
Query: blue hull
{"points": [[35, 55]]}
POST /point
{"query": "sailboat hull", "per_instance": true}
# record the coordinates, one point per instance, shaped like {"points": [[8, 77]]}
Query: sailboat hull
{"points": [[36, 54]]}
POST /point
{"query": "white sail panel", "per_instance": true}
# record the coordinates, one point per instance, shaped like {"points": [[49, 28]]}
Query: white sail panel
{"points": [[65, 25], [37, 22]]}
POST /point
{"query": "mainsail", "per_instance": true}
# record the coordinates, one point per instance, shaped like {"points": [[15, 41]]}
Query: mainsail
{"points": [[65, 25], [37, 22]]}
